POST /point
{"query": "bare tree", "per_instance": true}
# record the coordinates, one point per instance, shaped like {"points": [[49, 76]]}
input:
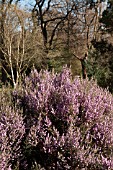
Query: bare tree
{"points": [[20, 47], [88, 29], [50, 14], [4, 6]]}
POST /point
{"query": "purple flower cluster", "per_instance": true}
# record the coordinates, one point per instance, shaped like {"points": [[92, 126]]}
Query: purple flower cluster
{"points": [[11, 132], [68, 123]]}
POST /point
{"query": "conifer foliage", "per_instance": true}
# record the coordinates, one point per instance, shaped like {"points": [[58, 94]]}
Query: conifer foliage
{"points": [[68, 123]]}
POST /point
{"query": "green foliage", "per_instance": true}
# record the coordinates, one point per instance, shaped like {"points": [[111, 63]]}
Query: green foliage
{"points": [[100, 60], [100, 64], [107, 18], [64, 57]]}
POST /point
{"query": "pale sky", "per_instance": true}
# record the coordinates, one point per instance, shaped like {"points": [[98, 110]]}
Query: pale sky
{"points": [[27, 3]]}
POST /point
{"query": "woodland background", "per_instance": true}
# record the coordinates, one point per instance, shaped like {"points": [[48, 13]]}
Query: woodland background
{"points": [[47, 34]]}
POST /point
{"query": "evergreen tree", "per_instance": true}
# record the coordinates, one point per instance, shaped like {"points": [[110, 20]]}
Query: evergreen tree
{"points": [[107, 17]]}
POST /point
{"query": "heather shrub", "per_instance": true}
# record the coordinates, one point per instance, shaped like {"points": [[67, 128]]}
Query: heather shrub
{"points": [[68, 122], [11, 132]]}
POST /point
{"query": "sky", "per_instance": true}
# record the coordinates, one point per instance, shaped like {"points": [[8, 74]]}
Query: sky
{"points": [[27, 3]]}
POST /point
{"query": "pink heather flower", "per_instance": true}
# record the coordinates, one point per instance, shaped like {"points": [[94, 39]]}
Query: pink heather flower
{"points": [[11, 132], [68, 121]]}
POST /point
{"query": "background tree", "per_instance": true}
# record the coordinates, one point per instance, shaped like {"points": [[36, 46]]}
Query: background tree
{"points": [[51, 17], [20, 47], [57, 33], [107, 18], [50, 14], [67, 27], [100, 62], [3, 10]]}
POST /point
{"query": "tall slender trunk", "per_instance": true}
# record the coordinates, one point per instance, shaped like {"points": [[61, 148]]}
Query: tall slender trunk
{"points": [[2, 58]]}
